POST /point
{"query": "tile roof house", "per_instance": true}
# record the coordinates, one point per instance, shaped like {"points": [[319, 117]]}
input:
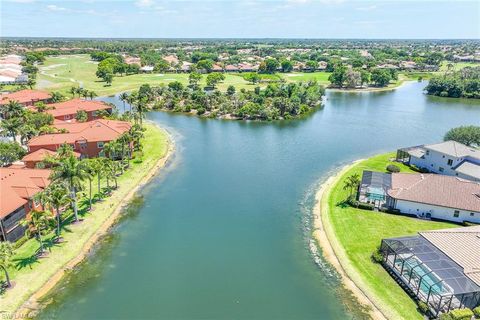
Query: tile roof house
{"points": [[26, 97], [67, 110], [31, 159], [449, 158], [86, 138], [17, 188], [439, 267], [424, 195]]}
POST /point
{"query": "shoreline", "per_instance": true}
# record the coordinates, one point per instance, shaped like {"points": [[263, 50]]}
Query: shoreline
{"points": [[31, 304], [325, 238], [372, 89]]}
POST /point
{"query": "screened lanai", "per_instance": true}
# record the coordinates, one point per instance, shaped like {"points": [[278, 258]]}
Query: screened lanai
{"points": [[429, 274]]}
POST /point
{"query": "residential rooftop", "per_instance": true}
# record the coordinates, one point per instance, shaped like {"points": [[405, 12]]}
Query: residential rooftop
{"points": [[73, 106], [24, 96]]}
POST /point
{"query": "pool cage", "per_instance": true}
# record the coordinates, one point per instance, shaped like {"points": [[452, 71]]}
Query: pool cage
{"points": [[428, 274]]}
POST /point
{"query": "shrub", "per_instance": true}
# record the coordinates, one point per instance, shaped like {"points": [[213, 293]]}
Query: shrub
{"points": [[365, 206], [423, 307], [377, 256], [445, 316], [461, 314], [476, 312], [200, 111], [393, 168]]}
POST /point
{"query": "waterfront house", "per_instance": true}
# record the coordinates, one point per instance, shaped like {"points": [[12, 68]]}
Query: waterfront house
{"points": [[67, 110], [17, 188], [86, 138], [439, 267], [32, 159], [449, 158], [26, 97], [428, 196]]}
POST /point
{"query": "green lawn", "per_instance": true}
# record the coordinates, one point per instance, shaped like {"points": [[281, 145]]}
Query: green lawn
{"points": [[458, 65], [60, 73], [30, 273], [359, 232], [321, 77]]}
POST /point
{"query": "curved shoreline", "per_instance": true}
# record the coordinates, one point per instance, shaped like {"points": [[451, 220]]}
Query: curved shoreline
{"points": [[325, 238], [372, 89], [31, 304]]}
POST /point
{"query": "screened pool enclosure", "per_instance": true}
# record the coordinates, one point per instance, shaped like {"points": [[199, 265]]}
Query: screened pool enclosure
{"points": [[428, 274]]}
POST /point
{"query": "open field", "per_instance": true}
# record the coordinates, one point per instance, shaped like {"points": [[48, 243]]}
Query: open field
{"points": [[357, 233], [29, 273], [458, 65]]}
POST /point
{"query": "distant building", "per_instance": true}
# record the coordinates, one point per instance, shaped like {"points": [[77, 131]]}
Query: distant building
{"points": [[26, 97], [86, 138], [32, 159], [449, 158], [17, 188], [67, 110], [423, 195], [147, 69], [440, 267]]}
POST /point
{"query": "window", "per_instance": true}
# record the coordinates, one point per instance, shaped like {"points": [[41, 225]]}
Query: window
{"points": [[440, 169], [94, 114], [83, 146], [472, 214], [450, 162], [66, 117], [456, 213], [428, 152], [100, 144]]}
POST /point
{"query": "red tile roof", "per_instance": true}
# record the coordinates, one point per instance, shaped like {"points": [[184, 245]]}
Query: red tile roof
{"points": [[97, 130], [41, 154], [435, 189], [19, 185], [24, 96], [72, 106]]}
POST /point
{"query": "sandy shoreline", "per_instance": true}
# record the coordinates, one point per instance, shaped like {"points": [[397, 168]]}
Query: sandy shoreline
{"points": [[371, 89], [325, 237], [32, 303]]}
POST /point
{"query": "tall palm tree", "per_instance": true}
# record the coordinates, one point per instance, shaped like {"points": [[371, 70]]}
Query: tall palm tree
{"points": [[351, 183], [12, 127], [72, 172], [73, 91], [111, 170], [57, 97], [131, 100], [56, 196], [37, 222], [97, 166], [92, 94], [6, 254], [89, 167], [12, 109], [123, 96]]}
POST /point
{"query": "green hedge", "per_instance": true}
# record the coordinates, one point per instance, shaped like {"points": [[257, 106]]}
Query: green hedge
{"points": [[476, 312], [461, 314]]}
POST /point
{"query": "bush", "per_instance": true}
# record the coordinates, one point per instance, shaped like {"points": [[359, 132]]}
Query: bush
{"points": [[393, 168], [476, 312], [423, 307], [445, 316], [461, 314], [377, 256], [200, 111], [365, 206]]}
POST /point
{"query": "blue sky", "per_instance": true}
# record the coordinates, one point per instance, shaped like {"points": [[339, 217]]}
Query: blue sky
{"points": [[241, 19]]}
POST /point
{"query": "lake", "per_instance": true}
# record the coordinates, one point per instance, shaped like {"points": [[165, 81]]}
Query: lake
{"points": [[224, 231]]}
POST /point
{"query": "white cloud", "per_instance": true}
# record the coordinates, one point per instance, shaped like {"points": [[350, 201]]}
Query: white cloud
{"points": [[144, 3], [53, 7], [368, 8]]}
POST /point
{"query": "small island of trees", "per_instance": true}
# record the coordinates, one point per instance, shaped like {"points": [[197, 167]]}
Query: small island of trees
{"points": [[464, 83]]}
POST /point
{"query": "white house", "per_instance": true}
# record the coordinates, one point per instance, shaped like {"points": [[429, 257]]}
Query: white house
{"points": [[424, 195], [449, 158]]}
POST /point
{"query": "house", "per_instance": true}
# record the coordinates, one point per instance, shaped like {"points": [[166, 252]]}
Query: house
{"points": [[449, 158], [217, 68], [231, 68], [86, 138], [147, 69], [32, 159], [26, 97], [423, 195], [17, 188], [67, 110], [439, 267]]}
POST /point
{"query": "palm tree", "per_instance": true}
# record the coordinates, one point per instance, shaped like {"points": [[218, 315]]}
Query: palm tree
{"points": [[12, 126], [6, 253], [92, 94], [57, 97], [123, 96], [73, 91], [65, 150], [37, 222], [131, 100], [111, 170], [72, 172], [89, 167], [13, 109], [351, 183], [97, 166], [56, 196]]}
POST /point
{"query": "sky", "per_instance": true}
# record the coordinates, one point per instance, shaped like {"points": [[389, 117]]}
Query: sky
{"points": [[381, 19]]}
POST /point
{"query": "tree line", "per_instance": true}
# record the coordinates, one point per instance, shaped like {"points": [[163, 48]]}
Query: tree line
{"points": [[464, 83]]}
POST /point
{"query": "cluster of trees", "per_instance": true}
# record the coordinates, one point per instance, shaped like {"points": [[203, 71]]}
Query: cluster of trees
{"points": [[82, 92], [468, 135], [70, 176], [112, 64], [347, 77], [276, 101], [464, 83]]}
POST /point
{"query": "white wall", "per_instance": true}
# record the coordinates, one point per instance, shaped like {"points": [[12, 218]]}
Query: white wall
{"points": [[436, 212]]}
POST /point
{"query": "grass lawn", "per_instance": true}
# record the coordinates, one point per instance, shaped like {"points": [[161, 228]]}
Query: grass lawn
{"points": [[30, 273], [359, 232], [321, 77], [458, 65]]}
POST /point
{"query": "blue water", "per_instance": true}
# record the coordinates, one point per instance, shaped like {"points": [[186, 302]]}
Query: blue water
{"points": [[224, 233]]}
